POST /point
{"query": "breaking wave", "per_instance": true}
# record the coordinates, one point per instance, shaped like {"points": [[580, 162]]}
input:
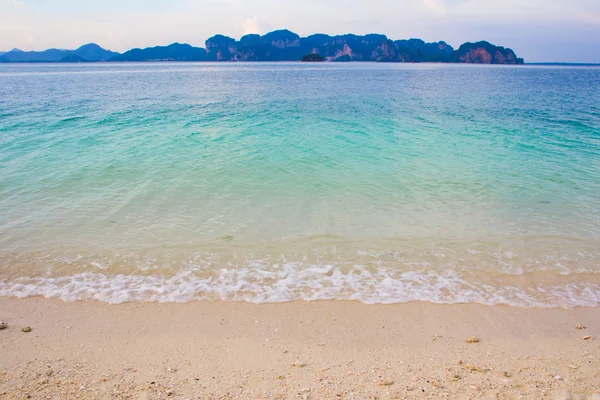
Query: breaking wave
{"points": [[290, 282]]}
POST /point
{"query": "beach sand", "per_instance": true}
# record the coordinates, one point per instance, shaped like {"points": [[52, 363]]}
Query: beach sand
{"points": [[319, 350]]}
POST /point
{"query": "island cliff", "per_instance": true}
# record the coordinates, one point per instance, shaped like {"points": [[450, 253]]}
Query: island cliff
{"points": [[284, 45], [485, 53]]}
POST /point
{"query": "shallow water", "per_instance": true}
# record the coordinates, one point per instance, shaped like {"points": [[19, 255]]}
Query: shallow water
{"points": [[283, 181]]}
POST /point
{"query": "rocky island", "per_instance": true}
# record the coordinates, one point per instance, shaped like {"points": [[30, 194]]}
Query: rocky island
{"points": [[284, 45], [485, 53], [313, 57]]}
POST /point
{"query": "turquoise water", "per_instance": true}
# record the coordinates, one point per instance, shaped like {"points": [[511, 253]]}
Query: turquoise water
{"points": [[283, 181]]}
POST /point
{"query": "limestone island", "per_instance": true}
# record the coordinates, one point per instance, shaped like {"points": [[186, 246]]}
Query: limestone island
{"points": [[284, 45]]}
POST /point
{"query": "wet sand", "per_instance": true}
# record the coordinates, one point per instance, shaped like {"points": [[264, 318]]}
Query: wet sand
{"points": [[319, 350]]}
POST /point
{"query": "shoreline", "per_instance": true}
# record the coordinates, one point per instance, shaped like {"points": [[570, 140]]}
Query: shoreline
{"points": [[294, 281], [313, 350]]}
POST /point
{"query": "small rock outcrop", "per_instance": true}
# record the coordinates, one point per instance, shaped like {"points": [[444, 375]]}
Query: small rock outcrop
{"points": [[312, 57]]}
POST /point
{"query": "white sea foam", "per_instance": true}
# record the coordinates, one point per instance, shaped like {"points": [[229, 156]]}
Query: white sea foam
{"points": [[291, 281]]}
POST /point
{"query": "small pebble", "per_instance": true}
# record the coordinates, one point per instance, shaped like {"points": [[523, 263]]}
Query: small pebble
{"points": [[580, 327], [475, 368], [473, 339], [299, 364], [3, 325], [558, 378], [27, 329], [587, 337]]}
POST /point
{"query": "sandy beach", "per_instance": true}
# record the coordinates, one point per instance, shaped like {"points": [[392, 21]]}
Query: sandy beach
{"points": [[318, 350]]}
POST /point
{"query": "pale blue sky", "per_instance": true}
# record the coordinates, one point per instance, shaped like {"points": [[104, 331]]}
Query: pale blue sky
{"points": [[539, 30]]}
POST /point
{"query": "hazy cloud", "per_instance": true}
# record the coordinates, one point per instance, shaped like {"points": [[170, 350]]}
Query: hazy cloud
{"points": [[253, 25], [436, 6]]}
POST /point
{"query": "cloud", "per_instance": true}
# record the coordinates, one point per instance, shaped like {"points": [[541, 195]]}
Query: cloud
{"points": [[254, 25], [591, 18], [442, 7], [436, 6], [250, 25]]}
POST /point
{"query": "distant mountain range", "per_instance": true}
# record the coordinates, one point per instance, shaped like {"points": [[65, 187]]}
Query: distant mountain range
{"points": [[174, 52], [89, 52], [283, 45]]}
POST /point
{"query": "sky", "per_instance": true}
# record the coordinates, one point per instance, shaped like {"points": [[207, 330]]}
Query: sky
{"points": [[538, 30]]}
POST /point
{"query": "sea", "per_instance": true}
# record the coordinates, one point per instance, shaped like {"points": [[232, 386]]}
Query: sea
{"points": [[275, 182]]}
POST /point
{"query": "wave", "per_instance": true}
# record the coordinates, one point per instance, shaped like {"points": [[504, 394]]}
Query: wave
{"points": [[291, 282]]}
